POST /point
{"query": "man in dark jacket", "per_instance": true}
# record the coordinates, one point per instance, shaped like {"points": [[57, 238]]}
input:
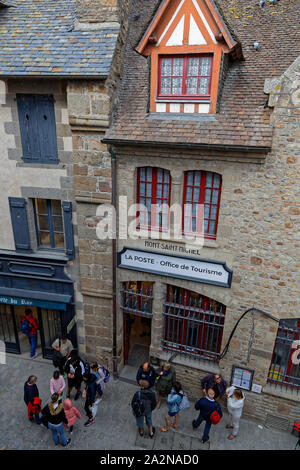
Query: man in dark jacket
{"points": [[74, 368], [148, 399], [206, 406], [30, 393], [90, 390], [55, 416], [146, 372], [215, 382]]}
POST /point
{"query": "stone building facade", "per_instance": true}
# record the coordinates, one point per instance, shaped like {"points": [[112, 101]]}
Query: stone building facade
{"points": [[67, 62], [252, 141]]}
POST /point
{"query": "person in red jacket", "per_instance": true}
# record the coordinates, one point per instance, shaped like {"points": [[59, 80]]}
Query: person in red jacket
{"points": [[32, 331]]}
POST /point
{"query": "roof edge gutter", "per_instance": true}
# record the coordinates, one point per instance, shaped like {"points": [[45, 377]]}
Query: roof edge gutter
{"points": [[189, 145]]}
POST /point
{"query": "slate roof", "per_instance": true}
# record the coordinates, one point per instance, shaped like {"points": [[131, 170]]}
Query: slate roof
{"points": [[37, 37], [242, 119]]}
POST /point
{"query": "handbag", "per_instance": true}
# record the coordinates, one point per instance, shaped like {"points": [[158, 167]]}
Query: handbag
{"points": [[185, 404], [94, 409]]}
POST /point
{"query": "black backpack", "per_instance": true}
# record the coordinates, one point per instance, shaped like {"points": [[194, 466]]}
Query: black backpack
{"points": [[138, 406]]}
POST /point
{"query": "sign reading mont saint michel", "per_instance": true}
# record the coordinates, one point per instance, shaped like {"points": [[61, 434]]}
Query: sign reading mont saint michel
{"points": [[191, 269]]}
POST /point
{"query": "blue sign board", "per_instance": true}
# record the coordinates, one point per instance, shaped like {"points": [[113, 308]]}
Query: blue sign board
{"points": [[24, 302]]}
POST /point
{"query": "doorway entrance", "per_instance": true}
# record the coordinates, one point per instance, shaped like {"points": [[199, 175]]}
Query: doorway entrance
{"points": [[50, 327], [137, 317]]}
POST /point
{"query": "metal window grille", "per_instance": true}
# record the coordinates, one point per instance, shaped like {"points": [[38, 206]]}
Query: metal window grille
{"points": [[193, 324], [285, 368], [137, 298]]}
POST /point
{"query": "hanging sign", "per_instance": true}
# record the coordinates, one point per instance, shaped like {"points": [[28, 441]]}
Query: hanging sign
{"points": [[191, 269], [71, 325]]}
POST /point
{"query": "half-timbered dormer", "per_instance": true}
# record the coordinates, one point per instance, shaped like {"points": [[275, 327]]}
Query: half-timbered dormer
{"points": [[188, 44]]}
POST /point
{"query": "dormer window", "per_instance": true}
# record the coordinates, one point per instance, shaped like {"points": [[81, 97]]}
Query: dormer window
{"points": [[185, 77], [188, 44]]}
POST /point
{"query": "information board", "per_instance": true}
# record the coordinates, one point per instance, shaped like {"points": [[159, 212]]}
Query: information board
{"points": [[242, 377]]}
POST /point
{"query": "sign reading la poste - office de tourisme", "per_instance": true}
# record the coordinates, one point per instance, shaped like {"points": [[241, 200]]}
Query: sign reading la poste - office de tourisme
{"points": [[192, 269]]}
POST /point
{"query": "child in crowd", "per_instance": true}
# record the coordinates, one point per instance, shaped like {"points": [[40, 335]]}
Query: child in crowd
{"points": [[72, 413]]}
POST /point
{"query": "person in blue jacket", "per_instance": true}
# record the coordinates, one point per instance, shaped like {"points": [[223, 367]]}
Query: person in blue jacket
{"points": [[174, 402], [206, 405]]}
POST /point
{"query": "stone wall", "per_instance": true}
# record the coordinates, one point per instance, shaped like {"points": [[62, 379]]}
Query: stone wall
{"points": [[88, 107]]}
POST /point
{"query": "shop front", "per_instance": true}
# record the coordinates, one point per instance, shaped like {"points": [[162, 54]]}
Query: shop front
{"points": [[43, 287], [167, 305]]}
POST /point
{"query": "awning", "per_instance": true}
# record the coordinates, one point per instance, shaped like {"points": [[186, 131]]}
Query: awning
{"points": [[31, 298]]}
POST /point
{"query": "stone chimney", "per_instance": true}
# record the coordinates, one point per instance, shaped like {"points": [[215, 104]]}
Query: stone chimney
{"points": [[97, 11]]}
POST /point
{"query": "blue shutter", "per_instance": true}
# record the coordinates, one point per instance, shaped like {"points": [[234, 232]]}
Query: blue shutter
{"points": [[68, 226], [19, 223], [29, 128], [47, 128], [38, 128]]}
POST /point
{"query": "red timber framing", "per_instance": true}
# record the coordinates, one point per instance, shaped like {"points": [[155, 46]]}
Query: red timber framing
{"points": [[187, 27]]}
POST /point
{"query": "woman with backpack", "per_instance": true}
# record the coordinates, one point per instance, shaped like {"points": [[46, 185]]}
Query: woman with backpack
{"points": [[29, 327], [54, 415], [143, 403], [174, 402]]}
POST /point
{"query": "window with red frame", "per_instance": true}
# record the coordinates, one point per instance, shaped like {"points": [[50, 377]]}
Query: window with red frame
{"points": [[285, 364], [201, 203], [153, 197], [186, 76], [193, 323]]}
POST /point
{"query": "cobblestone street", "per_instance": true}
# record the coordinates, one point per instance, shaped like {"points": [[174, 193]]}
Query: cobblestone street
{"points": [[115, 427]]}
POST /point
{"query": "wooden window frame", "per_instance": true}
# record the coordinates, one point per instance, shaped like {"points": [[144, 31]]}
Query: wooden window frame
{"points": [[184, 95], [154, 198], [201, 201], [50, 230]]}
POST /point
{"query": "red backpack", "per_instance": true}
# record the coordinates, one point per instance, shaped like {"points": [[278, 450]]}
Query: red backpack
{"points": [[215, 418], [296, 428]]}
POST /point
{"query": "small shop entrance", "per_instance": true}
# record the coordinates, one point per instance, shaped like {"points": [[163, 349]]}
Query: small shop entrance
{"points": [[137, 317], [50, 327]]}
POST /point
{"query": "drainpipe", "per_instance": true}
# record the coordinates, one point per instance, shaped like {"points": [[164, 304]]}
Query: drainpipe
{"points": [[114, 260]]}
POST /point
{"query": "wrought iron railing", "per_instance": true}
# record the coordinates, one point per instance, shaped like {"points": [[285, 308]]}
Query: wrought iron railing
{"points": [[137, 300]]}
